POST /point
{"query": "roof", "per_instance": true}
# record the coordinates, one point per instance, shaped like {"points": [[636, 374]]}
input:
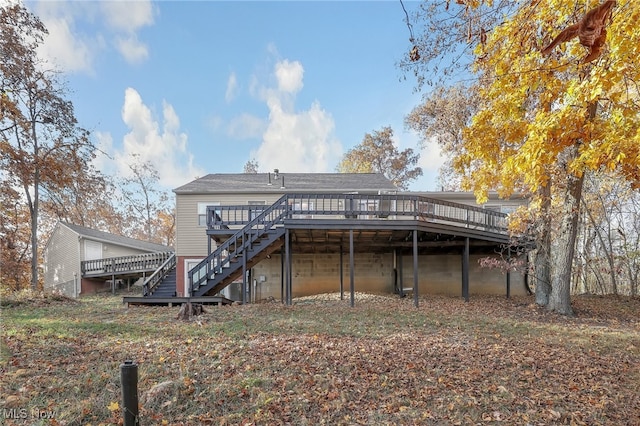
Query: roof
{"points": [[93, 234], [293, 182]]}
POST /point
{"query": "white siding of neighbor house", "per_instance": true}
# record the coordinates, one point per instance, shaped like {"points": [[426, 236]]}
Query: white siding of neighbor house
{"points": [[62, 260], [191, 239], [110, 250], [113, 250]]}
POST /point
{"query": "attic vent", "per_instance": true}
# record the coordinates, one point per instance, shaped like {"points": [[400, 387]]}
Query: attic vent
{"points": [[276, 173]]}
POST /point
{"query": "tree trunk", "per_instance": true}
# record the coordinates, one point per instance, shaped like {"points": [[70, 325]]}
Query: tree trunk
{"points": [[190, 310], [543, 249], [562, 261], [34, 241], [565, 242], [34, 207]]}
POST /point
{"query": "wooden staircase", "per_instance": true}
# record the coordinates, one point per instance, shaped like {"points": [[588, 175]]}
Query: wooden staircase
{"points": [[166, 287], [248, 246]]}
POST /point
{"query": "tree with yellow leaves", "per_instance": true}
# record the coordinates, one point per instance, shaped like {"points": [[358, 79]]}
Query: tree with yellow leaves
{"points": [[548, 120], [544, 120]]}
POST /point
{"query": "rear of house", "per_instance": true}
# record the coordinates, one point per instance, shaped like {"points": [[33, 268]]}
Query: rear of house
{"points": [[321, 269], [70, 245]]}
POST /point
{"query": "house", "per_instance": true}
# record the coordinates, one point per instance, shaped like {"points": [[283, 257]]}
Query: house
{"points": [[80, 260], [284, 235]]}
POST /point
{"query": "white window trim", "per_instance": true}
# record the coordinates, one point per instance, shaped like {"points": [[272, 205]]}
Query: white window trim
{"points": [[186, 289], [202, 211]]}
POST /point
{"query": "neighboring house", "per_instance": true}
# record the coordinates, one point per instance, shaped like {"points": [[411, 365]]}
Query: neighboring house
{"points": [[80, 261], [334, 207]]}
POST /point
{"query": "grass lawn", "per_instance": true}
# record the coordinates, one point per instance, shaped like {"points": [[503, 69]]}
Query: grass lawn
{"points": [[490, 361]]}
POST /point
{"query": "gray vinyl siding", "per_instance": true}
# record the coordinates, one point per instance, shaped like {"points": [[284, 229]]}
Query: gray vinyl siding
{"points": [[62, 257]]}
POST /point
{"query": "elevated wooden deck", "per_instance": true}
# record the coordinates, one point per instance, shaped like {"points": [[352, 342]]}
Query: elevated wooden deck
{"points": [[404, 224], [123, 266]]}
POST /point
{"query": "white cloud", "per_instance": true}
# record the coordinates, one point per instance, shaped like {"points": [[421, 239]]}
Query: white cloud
{"points": [[431, 158], [289, 75], [232, 87], [158, 141], [63, 47], [128, 16], [74, 50], [246, 126], [296, 141], [133, 51]]}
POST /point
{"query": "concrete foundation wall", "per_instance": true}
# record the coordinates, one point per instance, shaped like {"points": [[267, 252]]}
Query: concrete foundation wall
{"points": [[374, 273]]}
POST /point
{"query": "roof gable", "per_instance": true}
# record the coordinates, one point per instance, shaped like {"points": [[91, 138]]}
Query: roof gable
{"points": [[287, 183], [93, 234]]}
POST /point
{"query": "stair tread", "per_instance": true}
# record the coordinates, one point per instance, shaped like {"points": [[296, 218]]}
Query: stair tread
{"points": [[232, 265]]}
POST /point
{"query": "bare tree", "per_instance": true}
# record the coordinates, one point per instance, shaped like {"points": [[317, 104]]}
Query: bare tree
{"points": [[251, 167], [151, 217], [42, 150]]}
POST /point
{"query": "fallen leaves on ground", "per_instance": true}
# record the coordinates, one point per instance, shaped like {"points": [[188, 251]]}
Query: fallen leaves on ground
{"points": [[490, 361]]}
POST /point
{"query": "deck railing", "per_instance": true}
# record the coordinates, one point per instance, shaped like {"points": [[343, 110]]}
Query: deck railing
{"points": [[363, 207], [156, 278], [124, 264]]}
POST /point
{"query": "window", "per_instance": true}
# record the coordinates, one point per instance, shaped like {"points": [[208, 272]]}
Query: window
{"points": [[202, 212]]}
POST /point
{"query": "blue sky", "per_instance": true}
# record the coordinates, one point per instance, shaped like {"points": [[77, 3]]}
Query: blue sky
{"points": [[199, 87]]}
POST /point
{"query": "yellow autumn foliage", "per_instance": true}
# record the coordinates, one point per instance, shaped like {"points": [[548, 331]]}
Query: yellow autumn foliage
{"points": [[535, 107]]}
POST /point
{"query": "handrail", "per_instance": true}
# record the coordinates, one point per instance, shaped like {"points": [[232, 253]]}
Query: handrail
{"points": [[364, 207], [124, 264], [236, 244], [156, 278]]}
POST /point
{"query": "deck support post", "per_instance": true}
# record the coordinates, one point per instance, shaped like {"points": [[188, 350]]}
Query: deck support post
{"points": [[351, 272], [395, 270], [245, 287], [287, 262], [208, 270], [341, 275], [508, 273], [282, 272], [465, 270], [400, 275], [415, 268], [113, 276]]}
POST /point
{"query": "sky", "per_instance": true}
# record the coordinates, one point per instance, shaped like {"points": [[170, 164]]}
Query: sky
{"points": [[198, 87]]}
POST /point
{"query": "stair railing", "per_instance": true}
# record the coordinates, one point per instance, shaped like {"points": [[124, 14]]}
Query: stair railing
{"points": [[152, 281], [238, 243]]}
